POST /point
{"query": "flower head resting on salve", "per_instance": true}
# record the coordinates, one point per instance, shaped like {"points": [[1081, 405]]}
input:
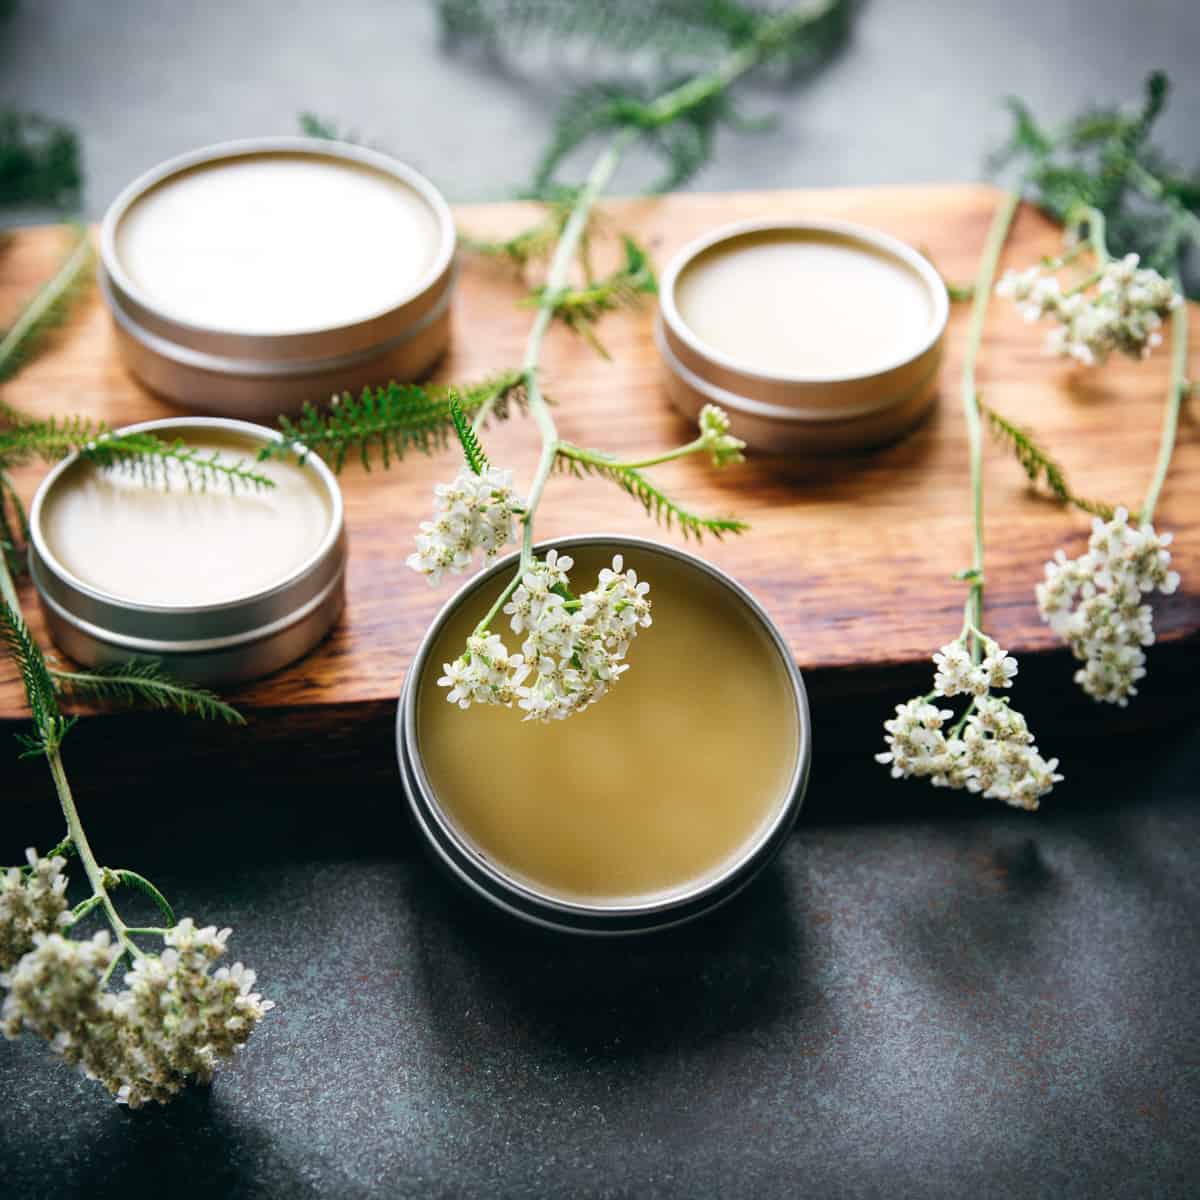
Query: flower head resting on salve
{"points": [[1123, 311], [1095, 603], [573, 649], [174, 1020], [989, 749]]}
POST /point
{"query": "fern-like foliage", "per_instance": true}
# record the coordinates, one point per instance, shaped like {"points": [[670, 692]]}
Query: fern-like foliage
{"points": [[39, 162], [682, 33], [472, 447], [48, 308], [157, 461], [144, 681], [658, 504], [50, 726], [536, 242], [580, 308], [14, 525], [1038, 464], [387, 422], [1105, 160]]}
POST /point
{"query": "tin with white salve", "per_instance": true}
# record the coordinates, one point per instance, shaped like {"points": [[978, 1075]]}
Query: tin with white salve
{"points": [[656, 804], [220, 583], [816, 337], [246, 278]]}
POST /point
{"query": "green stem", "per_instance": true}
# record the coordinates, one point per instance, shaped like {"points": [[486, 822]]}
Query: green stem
{"points": [[45, 300], [666, 108], [637, 464], [984, 279], [1178, 386]]}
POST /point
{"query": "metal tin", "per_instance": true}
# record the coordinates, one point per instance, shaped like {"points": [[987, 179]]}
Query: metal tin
{"points": [[796, 413], [229, 373], [472, 869], [221, 643]]}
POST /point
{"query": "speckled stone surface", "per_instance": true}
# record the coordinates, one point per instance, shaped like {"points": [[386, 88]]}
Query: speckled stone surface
{"points": [[944, 1000]]}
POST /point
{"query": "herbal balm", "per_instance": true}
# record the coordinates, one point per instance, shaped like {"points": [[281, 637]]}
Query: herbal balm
{"points": [[816, 336], [654, 804], [248, 277], [222, 582]]}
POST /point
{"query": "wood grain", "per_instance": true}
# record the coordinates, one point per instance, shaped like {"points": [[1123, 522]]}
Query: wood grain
{"points": [[853, 556]]}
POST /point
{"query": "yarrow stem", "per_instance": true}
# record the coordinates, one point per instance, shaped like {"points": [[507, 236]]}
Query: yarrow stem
{"points": [[984, 277], [1178, 387]]}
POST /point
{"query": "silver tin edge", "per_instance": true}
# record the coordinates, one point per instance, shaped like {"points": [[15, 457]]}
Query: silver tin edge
{"points": [[213, 629], [247, 147], [847, 229], [518, 898]]}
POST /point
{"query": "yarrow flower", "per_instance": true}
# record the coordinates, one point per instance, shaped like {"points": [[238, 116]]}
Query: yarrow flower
{"points": [[574, 648], [716, 438], [173, 1022], [475, 512], [1124, 311], [989, 750], [1094, 602], [33, 899]]}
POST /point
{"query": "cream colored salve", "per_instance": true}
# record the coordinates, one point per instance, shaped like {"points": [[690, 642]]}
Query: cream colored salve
{"points": [[658, 786], [801, 303], [277, 243], [179, 548]]}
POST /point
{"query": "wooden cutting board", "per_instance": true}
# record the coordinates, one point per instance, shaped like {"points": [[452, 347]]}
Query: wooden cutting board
{"points": [[853, 556]]}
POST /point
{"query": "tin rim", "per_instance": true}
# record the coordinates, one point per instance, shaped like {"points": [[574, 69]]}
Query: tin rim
{"points": [[679, 906], [259, 433], [849, 230], [246, 148]]}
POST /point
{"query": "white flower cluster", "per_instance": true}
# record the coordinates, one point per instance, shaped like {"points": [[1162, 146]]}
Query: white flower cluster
{"points": [[475, 512], [1124, 312], [573, 649], [716, 438], [990, 750], [1094, 603], [173, 1021], [32, 900]]}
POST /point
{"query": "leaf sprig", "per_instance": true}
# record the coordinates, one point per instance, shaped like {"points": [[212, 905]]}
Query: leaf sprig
{"points": [[472, 447], [1105, 160], [48, 308], [580, 463], [145, 681], [1039, 465], [387, 422], [49, 724], [580, 308], [39, 162]]}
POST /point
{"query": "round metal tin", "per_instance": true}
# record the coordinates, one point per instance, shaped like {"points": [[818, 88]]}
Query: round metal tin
{"points": [[472, 869], [230, 642], [797, 413], [228, 373]]}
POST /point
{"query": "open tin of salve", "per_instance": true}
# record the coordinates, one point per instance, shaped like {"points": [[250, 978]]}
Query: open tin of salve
{"points": [[816, 336], [220, 584], [249, 277], [654, 805]]}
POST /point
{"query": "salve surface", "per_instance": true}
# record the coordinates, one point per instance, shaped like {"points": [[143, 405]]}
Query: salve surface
{"points": [[801, 303], [277, 243], [181, 548], [653, 789]]}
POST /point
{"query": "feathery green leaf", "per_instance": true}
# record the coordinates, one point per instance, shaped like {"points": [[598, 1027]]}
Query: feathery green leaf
{"points": [[1039, 465], [580, 308], [390, 421], [49, 724], [472, 447], [48, 308], [39, 162], [578, 462], [145, 681]]}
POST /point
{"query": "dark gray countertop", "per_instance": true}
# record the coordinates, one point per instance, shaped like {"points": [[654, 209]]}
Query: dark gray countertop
{"points": [[927, 996]]}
